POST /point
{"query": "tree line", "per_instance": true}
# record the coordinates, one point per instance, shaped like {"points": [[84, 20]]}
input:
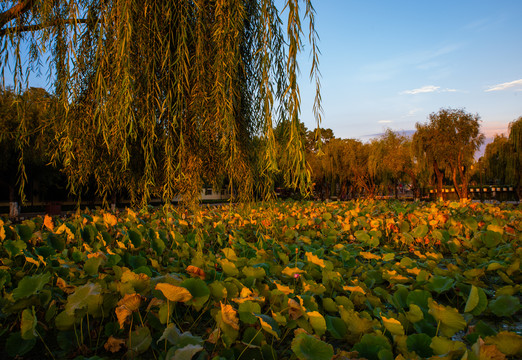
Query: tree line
{"points": [[440, 152]]}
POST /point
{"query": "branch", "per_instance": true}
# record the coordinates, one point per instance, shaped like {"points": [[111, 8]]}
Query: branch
{"points": [[20, 29], [14, 12]]}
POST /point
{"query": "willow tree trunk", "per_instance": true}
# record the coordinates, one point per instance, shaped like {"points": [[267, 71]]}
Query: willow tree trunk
{"points": [[440, 177], [14, 210]]}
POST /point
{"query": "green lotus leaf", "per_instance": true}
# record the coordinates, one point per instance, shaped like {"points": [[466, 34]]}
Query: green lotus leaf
{"points": [[199, 291], [158, 245], [91, 265], [31, 285], [471, 223], [317, 322], [218, 290], [268, 324], [184, 353], [139, 340], [420, 344], [89, 233], [370, 346], [84, 297], [229, 267], [491, 238], [15, 247], [420, 231], [504, 305], [246, 312], [253, 337], [336, 327], [135, 237], [329, 305], [440, 284], [64, 321], [255, 272], [362, 235], [16, 346], [28, 325], [308, 347]]}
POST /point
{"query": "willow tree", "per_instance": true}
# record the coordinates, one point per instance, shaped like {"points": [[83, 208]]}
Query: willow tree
{"points": [[513, 155], [449, 141], [158, 97]]}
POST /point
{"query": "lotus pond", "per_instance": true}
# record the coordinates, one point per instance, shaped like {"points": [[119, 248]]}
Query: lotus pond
{"points": [[284, 280]]}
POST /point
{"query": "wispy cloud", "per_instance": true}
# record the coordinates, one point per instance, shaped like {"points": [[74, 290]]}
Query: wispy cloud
{"points": [[426, 89], [413, 112], [504, 86], [384, 121], [390, 68]]}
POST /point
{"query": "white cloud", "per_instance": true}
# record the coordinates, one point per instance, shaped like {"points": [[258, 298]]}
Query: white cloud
{"points": [[424, 89], [427, 89], [384, 121], [505, 85], [414, 112]]}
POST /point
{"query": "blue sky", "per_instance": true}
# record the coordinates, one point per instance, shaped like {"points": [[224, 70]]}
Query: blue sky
{"points": [[389, 64]]}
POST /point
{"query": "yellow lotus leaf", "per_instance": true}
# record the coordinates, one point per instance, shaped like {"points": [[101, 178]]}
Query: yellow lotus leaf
{"points": [[508, 342], [369, 255], [292, 271], [450, 319], [114, 344], [32, 261], [194, 271], [442, 345], [415, 271], [415, 314], [487, 352], [63, 228], [173, 292], [247, 295], [2, 231], [62, 285], [354, 289], [393, 325], [48, 222], [110, 219], [419, 255], [97, 254], [122, 313], [229, 316], [267, 327], [314, 259], [295, 311], [131, 302], [284, 289]]}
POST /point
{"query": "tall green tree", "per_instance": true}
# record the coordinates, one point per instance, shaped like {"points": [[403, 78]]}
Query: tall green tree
{"points": [[24, 140], [158, 97], [513, 156], [448, 142]]}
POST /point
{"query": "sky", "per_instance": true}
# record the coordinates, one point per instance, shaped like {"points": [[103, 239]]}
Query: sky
{"points": [[389, 64]]}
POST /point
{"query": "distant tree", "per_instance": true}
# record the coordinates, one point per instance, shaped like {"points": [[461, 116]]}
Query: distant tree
{"points": [[24, 140], [397, 160], [513, 154], [494, 160], [449, 141], [158, 97]]}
